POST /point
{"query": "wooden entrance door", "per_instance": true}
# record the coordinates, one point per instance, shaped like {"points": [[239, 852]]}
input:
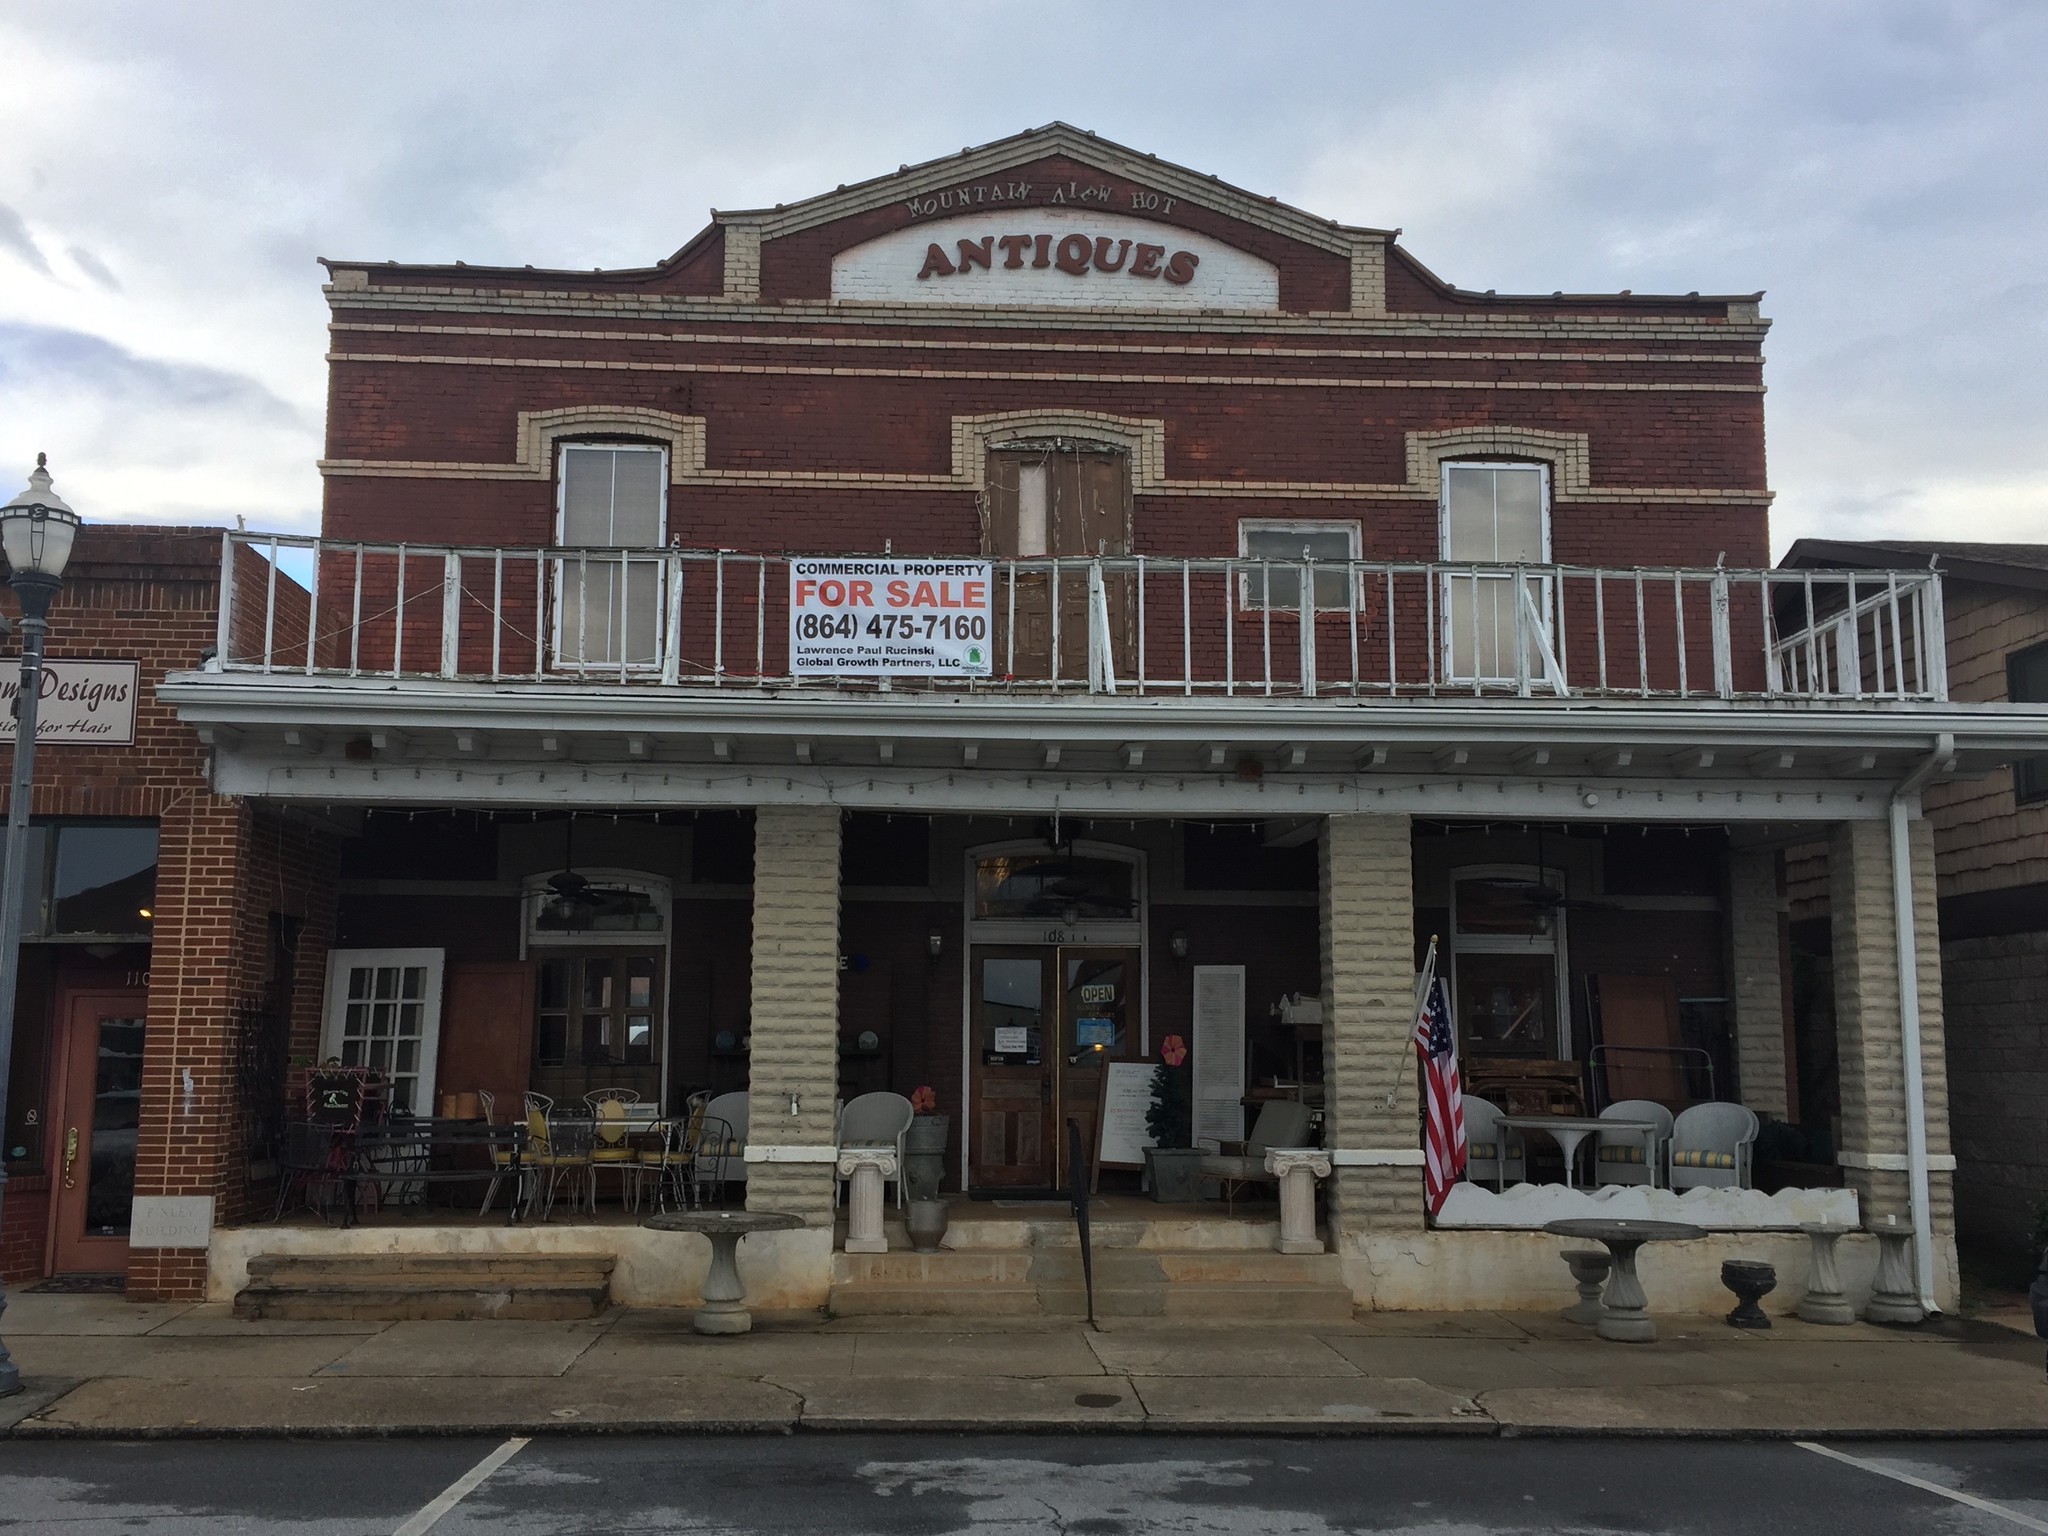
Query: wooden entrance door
{"points": [[1066, 499], [1038, 1015], [99, 1099], [1012, 1032]]}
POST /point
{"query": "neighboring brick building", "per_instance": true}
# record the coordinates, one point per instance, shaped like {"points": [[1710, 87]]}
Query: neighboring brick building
{"points": [[172, 933], [1991, 851], [1131, 605]]}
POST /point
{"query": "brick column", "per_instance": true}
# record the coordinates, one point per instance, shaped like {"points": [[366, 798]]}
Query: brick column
{"points": [[1867, 1044], [1756, 968], [1368, 933], [185, 1138], [795, 1012]]}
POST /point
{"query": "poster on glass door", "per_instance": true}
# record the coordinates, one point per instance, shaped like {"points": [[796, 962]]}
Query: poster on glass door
{"points": [[860, 617]]}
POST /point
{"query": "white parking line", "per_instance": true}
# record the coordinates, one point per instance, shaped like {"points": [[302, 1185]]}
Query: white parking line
{"points": [[1970, 1499], [466, 1484]]}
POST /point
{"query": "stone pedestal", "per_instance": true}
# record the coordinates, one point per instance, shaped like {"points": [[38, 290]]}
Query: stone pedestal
{"points": [[1894, 1295], [1751, 1282], [1298, 1168], [865, 1169], [1824, 1301], [1589, 1267]]}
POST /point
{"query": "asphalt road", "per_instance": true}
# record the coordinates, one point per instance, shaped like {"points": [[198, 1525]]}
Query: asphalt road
{"points": [[1016, 1486]]}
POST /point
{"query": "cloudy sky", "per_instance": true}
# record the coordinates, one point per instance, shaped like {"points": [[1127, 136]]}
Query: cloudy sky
{"points": [[169, 172]]}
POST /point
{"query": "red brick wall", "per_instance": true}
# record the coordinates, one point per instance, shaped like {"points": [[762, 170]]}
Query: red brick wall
{"points": [[223, 867]]}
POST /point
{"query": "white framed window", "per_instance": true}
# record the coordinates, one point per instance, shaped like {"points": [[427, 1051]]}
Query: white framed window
{"points": [[1289, 545], [384, 1012], [1507, 959], [608, 607], [1494, 516]]}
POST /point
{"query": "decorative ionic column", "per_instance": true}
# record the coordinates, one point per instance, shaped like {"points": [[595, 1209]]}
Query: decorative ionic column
{"points": [[1298, 1168], [864, 1169]]}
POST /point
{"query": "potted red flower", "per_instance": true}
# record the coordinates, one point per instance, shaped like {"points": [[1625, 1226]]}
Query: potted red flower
{"points": [[924, 1146]]}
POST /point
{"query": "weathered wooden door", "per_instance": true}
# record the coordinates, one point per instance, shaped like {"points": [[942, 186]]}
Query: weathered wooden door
{"points": [[1013, 1036], [99, 1098], [1064, 499]]}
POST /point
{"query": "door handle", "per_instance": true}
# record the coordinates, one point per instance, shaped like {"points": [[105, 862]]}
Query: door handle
{"points": [[1045, 1089], [70, 1153]]}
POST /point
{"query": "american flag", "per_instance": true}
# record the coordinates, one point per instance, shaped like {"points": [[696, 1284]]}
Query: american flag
{"points": [[1443, 1131]]}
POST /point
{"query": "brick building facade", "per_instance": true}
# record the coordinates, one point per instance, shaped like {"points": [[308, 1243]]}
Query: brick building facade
{"points": [[1318, 608]]}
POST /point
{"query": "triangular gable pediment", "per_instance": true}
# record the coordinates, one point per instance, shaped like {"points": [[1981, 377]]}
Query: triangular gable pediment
{"points": [[984, 167]]}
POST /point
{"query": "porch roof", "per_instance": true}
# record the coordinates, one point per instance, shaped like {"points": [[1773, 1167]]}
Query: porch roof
{"points": [[375, 740]]}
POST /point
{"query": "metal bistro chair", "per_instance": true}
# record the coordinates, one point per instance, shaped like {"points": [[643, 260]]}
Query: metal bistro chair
{"points": [[713, 1144], [665, 1166], [726, 1160], [612, 1147]]}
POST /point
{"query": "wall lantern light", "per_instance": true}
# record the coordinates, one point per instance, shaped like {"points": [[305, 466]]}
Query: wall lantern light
{"points": [[1178, 943], [935, 943]]}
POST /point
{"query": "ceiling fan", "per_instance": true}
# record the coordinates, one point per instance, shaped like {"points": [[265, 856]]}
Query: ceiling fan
{"points": [[567, 885]]}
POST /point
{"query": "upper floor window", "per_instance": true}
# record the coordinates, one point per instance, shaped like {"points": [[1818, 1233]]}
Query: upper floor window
{"points": [[1289, 546], [1494, 517], [608, 608], [2026, 682]]}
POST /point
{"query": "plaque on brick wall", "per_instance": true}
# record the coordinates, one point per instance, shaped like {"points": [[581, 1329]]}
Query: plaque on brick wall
{"points": [[84, 703]]}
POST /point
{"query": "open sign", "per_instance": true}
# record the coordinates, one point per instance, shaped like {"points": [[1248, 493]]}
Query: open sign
{"points": [[860, 616]]}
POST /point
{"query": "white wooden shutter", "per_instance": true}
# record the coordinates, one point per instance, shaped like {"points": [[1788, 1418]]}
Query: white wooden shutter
{"points": [[1219, 1053]]}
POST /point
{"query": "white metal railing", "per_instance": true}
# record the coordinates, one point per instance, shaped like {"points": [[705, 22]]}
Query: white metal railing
{"points": [[1113, 624]]}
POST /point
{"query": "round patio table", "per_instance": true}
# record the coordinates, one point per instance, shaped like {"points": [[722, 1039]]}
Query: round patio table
{"points": [[724, 1309], [1624, 1309]]}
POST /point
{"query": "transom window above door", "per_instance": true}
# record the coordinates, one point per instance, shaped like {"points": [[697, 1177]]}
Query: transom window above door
{"points": [[609, 607]]}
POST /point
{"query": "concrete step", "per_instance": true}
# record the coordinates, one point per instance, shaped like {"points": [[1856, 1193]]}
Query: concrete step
{"points": [[403, 1287], [1177, 1227], [1226, 1285]]}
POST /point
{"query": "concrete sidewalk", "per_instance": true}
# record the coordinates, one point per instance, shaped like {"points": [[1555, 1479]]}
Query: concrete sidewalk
{"points": [[99, 1366]]}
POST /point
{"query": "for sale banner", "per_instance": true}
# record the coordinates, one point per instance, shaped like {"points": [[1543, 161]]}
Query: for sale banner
{"points": [[855, 616]]}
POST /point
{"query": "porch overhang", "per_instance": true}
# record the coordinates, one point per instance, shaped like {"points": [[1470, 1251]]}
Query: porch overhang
{"points": [[376, 741]]}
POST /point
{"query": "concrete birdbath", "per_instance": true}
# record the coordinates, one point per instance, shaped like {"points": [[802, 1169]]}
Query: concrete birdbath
{"points": [[724, 1310]]}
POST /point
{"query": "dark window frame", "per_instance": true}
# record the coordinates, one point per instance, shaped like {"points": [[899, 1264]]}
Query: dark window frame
{"points": [[2029, 774]]}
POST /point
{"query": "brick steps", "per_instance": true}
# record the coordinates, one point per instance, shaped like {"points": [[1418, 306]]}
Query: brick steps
{"points": [[393, 1287]]}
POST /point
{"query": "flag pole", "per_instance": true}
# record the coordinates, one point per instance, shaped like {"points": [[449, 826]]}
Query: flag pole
{"points": [[1424, 980]]}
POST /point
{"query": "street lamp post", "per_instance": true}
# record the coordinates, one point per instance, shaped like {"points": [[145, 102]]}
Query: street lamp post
{"points": [[36, 530]]}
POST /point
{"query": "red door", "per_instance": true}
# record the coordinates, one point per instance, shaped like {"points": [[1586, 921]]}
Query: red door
{"points": [[99, 1099]]}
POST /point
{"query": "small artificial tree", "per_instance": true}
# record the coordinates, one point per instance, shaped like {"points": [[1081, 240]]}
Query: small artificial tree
{"points": [[1171, 1117]]}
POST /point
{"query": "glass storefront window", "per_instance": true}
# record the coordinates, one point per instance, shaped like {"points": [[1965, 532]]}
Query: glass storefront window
{"points": [[1050, 885], [103, 880]]}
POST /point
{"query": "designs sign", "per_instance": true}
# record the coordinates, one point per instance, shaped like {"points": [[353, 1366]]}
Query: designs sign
{"points": [[860, 617], [87, 703]]}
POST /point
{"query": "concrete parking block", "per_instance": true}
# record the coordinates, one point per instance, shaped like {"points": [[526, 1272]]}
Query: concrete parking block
{"points": [[468, 1348], [935, 1403], [973, 1355], [355, 1406], [1248, 1352], [33, 1312], [91, 1355], [1271, 1402]]}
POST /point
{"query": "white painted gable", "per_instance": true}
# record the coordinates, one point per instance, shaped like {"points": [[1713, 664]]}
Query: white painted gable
{"points": [[1078, 257]]}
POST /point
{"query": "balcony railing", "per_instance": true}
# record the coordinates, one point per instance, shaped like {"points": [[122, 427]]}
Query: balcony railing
{"points": [[1153, 626]]}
